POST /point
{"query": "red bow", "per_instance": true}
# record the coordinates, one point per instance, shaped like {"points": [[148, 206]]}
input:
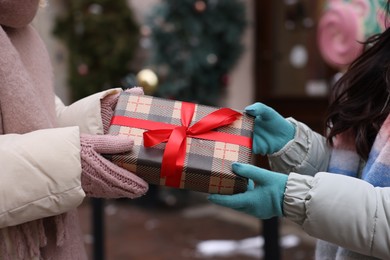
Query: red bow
{"points": [[175, 149]]}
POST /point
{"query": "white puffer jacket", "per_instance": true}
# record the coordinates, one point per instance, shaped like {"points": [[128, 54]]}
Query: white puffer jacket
{"points": [[40, 162], [345, 211]]}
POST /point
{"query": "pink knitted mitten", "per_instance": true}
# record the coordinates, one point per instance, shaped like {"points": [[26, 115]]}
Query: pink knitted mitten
{"points": [[108, 105], [101, 178]]}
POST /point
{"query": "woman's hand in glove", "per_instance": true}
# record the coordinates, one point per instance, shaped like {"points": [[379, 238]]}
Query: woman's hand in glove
{"points": [[262, 200], [272, 131], [101, 178], [108, 105]]}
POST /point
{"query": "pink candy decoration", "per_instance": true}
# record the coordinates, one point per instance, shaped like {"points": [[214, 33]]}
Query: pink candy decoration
{"points": [[339, 32]]}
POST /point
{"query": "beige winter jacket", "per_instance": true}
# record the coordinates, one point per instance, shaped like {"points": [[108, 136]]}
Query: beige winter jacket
{"points": [[51, 184], [342, 210]]}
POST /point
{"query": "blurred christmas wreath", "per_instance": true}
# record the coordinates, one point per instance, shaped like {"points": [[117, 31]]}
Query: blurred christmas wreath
{"points": [[194, 44], [101, 37]]}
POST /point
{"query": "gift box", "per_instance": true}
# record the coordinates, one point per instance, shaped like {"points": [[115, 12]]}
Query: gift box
{"points": [[183, 145]]}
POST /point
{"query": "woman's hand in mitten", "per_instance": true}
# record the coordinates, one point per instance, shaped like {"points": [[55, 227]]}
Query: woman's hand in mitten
{"points": [[108, 105], [101, 178], [263, 200], [272, 131]]}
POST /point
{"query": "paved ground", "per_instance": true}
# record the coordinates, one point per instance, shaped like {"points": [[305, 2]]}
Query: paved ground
{"points": [[196, 229]]}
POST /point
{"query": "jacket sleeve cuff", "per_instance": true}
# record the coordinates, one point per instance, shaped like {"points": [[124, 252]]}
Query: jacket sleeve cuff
{"points": [[84, 113], [296, 196], [301, 154]]}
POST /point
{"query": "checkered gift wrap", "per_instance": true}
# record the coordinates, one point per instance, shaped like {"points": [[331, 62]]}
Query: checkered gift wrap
{"points": [[207, 164]]}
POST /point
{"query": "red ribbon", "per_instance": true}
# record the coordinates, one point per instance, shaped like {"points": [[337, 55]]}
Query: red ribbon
{"points": [[176, 136]]}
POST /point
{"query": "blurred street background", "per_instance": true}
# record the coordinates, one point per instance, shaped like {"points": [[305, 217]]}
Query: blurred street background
{"points": [[227, 53], [197, 230]]}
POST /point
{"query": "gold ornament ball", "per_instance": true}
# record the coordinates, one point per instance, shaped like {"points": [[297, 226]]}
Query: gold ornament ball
{"points": [[148, 80]]}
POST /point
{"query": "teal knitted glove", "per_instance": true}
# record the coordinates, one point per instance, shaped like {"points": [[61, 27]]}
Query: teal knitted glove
{"points": [[271, 132], [264, 201]]}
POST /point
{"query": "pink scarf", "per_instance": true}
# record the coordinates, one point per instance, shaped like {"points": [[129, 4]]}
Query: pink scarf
{"points": [[27, 104]]}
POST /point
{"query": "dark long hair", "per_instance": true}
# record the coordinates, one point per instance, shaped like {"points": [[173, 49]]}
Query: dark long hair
{"points": [[359, 99]]}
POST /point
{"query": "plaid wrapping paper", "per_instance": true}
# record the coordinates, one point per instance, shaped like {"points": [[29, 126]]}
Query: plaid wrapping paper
{"points": [[207, 165]]}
